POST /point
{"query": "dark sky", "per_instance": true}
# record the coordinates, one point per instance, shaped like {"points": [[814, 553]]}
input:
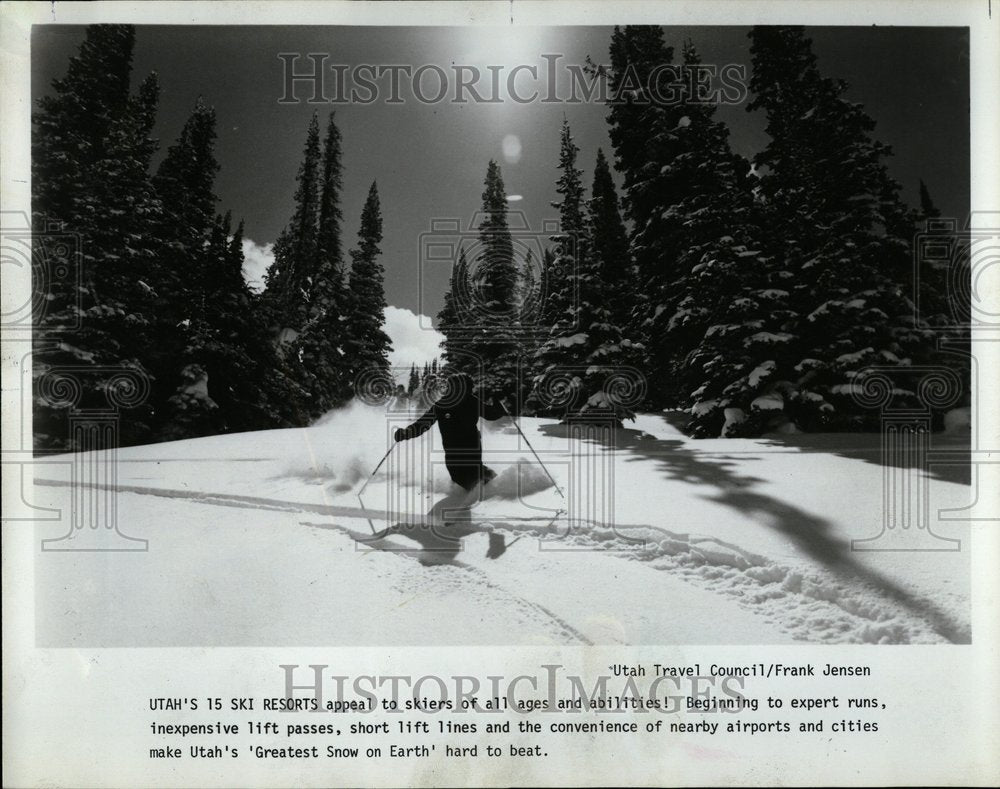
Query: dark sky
{"points": [[430, 159]]}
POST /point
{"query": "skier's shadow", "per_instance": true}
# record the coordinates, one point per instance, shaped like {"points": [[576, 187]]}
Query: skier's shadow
{"points": [[733, 489], [439, 534]]}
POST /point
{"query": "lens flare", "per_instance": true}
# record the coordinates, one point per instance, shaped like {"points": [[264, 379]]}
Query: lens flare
{"points": [[511, 146]]}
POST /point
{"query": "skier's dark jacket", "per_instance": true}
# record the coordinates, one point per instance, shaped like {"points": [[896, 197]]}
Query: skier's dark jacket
{"points": [[457, 414]]}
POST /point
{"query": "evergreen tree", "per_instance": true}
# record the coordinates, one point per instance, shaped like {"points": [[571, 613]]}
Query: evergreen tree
{"points": [[218, 369], [291, 276], [328, 238], [414, 380], [195, 240], [91, 150], [611, 247], [713, 309], [585, 349], [185, 184], [681, 179], [610, 239], [528, 302], [185, 181], [452, 317], [646, 134], [246, 378], [490, 341], [318, 353], [927, 208], [641, 127], [840, 231], [563, 277], [161, 287], [366, 345], [551, 279], [933, 278], [424, 391], [526, 291]]}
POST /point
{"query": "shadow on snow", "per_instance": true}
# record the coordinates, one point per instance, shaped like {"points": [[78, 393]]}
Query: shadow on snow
{"points": [[725, 483]]}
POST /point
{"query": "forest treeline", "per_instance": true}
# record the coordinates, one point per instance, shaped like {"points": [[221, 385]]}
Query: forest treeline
{"points": [[750, 294]]}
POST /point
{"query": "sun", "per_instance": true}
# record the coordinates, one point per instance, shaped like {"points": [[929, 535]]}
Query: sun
{"points": [[507, 46]]}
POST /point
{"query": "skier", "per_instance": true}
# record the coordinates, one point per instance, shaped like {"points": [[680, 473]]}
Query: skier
{"points": [[457, 412]]}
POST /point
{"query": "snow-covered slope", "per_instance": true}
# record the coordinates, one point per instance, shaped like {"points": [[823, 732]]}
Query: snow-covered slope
{"points": [[260, 539]]}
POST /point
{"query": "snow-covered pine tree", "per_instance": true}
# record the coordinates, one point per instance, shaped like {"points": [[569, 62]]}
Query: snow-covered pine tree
{"points": [[640, 126], [366, 345], [247, 379], [585, 349], [185, 181], [489, 337], [927, 208], [452, 318], [934, 286], [219, 368], [549, 280], [420, 394], [526, 289], [711, 300], [528, 303], [645, 133], [91, 151], [195, 242], [289, 281], [840, 230], [328, 236], [610, 240], [561, 290], [231, 378], [318, 352], [652, 145]]}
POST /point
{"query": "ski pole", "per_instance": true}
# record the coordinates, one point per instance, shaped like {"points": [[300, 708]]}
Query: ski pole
{"points": [[384, 458], [521, 432]]}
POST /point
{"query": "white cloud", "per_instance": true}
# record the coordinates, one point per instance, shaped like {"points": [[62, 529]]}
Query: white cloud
{"points": [[411, 342], [257, 260]]}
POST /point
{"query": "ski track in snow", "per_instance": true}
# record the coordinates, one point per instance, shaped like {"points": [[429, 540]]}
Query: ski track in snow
{"points": [[808, 603], [482, 579]]}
